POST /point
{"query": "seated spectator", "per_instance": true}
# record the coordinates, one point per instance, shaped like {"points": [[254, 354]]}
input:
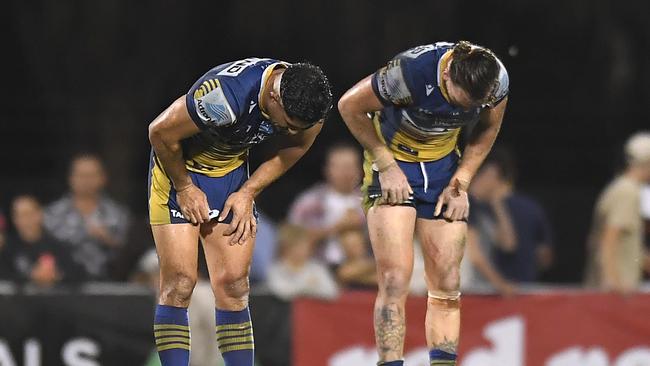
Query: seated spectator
{"points": [[358, 269], [509, 238], [295, 273], [92, 225], [265, 248], [37, 257], [333, 206], [616, 249]]}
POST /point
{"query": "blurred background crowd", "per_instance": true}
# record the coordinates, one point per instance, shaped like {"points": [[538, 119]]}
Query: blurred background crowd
{"points": [[321, 246]]}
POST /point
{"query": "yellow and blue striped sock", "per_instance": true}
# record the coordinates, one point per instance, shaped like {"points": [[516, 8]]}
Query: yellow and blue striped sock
{"points": [[235, 337], [442, 358], [172, 334]]}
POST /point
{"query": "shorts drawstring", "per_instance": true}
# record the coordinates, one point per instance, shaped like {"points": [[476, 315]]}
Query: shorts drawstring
{"points": [[426, 177]]}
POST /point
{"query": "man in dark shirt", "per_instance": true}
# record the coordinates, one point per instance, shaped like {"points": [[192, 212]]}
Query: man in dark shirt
{"points": [[514, 224], [36, 257]]}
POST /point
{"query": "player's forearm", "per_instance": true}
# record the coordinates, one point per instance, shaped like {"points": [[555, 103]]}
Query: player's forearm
{"points": [[272, 169], [170, 156], [480, 144], [354, 107], [476, 151], [363, 130]]}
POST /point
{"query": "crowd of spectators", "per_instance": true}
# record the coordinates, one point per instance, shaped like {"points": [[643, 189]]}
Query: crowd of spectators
{"points": [[322, 247]]}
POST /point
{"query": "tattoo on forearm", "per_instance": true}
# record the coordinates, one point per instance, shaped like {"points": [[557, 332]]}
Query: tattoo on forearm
{"points": [[449, 346], [389, 328]]}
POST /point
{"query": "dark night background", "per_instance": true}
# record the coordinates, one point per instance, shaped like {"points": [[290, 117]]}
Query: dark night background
{"points": [[90, 76]]}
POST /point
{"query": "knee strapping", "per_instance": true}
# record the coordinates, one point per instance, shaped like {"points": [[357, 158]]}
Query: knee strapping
{"points": [[445, 296]]}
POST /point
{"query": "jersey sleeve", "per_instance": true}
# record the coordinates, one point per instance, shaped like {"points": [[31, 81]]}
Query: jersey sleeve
{"points": [[212, 102], [393, 84], [502, 88]]}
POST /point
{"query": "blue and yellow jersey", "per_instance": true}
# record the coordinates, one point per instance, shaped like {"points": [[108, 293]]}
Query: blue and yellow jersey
{"points": [[224, 104], [417, 122]]}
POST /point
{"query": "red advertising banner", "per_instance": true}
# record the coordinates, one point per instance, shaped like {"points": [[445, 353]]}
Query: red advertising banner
{"points": [[551, 329]]}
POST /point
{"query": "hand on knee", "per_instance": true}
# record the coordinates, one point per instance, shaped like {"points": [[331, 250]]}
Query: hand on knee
{"points": [[176, 290]]}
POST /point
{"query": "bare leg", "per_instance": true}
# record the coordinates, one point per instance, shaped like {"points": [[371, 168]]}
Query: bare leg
{"points": [[391, 234], [443, 245], [228, 265], [177, 247]]}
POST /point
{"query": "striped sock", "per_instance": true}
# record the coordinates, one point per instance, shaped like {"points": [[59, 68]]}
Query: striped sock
{"points": [[442, 358], [172, 334], [235, 337], [391, 363]]}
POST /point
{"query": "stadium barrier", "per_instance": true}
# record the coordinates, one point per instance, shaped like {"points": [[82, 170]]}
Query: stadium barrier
{"points": [[110, 324], [546, 328]]}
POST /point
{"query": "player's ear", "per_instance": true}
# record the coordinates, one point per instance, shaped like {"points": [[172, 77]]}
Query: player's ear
{"points": [[276, 97], [445, 74]]}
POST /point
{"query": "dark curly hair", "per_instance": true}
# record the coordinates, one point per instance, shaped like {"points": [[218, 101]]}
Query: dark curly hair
{"points": [[306, 93], [475, 70]]}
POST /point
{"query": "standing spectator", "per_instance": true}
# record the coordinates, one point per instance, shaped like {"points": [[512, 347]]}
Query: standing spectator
{"points": [[296, 274], [508, 227], [335, 205], [616, 239], [645, 213], [37, 257], [358, 270], [90, 223]]}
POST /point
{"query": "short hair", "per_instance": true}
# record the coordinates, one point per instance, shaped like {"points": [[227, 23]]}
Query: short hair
{"points": [[85, 156], [504, 161], [637, 148], [289, 235], [27, 197], [475, 70], [341, 145], [306, 93]]}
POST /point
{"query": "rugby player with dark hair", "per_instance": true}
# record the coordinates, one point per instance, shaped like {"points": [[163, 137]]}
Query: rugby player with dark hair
{"points": [[416, 181], [199, 188]]}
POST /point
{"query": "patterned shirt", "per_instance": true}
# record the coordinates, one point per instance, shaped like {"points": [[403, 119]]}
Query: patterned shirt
{"points": [[67, 224]]}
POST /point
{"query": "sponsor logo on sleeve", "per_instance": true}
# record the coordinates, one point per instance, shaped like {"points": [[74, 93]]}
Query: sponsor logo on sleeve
{"points": [[211, 104]]}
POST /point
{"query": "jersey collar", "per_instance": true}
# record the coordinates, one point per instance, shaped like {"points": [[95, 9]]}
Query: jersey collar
{"points": [[265, 76], [442, 65]]}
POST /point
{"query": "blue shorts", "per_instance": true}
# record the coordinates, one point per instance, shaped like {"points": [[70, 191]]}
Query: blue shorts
{"points": [[427, 179], [163, 207]]}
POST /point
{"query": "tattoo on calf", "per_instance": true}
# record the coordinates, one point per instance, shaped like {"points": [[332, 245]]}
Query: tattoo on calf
{"points": [[389, 328], [449, 346]]}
